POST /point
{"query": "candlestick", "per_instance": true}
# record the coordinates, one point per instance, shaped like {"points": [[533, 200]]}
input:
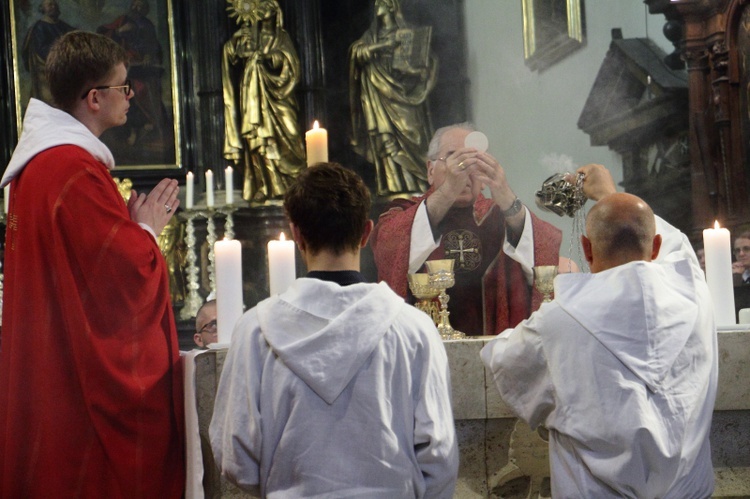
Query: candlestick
{"points": [[317, 145], [211, 240], [717, 245], [228, 254], [281, 266], [209, 188], [193, 300], [229, 182], [189, 188], [6, 198]]}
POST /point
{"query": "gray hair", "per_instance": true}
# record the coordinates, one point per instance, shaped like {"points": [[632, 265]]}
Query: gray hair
{"points": [[434, 147]]}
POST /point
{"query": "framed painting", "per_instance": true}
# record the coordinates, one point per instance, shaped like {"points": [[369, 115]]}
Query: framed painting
{"points": [[552, 29], [145, 29]]}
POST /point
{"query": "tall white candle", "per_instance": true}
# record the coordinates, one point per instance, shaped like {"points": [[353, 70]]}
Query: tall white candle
{"points": [[281, 270], [189, 189], [229, 182], [228, 254], [209, 188], [717, 245], [6, 198], [317, 144]]}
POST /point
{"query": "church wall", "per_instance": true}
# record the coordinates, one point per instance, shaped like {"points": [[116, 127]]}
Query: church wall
{"points": [[530, 117]]}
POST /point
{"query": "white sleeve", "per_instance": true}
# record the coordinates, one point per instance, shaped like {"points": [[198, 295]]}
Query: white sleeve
{"points": [[518, 365], [435, 444], [422, 240], [674, 244], [235, 431], [523, 252]]}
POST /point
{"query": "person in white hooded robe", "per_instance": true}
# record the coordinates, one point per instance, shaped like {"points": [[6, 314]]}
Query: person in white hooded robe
{"points": [[335, 387], [621, 366]]}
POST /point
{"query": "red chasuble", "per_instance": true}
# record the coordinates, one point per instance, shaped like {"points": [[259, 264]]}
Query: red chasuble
{"points": [[491, 292], [90, 376]]}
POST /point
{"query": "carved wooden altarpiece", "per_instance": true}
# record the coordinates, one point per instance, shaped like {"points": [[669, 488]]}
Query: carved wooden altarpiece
{"points": [[713, 39]]}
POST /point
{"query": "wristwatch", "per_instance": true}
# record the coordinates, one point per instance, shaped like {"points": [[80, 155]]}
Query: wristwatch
{"points": [[514, 208]]}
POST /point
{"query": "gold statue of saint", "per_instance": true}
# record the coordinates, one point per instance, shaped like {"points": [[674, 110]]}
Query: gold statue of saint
{"points": [[261, 129], [391, 75], [171, 242]]}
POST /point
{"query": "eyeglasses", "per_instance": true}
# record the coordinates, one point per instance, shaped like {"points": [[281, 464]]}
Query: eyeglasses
{"points": [[126, 88], [209, 328], [743, 249]]}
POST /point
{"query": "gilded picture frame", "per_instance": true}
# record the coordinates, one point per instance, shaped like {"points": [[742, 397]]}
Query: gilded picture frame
{"points": [[151, 139], [552, 29]]}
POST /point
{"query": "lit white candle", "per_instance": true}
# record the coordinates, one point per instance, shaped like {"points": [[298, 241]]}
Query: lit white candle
{"points": [[317, 144], [281, 270], [229, 182], [189, 189], [228, 255], [717, 245], [209, 188], [6, 198]]}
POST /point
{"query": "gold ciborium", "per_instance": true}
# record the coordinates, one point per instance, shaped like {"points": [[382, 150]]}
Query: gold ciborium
{"points": [[425, 295], [544, 280], [441, 278]]}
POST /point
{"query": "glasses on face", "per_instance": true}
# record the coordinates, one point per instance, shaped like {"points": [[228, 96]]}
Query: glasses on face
{"points": [[126, 88], [209, 328], [742, 249]]}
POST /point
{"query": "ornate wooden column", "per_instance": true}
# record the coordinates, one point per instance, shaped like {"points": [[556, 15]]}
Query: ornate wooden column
{"points": [[718, 154]]}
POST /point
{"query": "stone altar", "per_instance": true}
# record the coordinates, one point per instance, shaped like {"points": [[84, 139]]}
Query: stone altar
{"points": [[499, 455]]}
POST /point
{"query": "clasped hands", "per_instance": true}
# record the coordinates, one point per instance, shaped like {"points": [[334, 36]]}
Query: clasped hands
{"points": [[156, 208], [481, 169]]}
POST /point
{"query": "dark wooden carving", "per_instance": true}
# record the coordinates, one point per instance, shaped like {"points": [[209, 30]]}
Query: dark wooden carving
{"points": [[715, 46]]}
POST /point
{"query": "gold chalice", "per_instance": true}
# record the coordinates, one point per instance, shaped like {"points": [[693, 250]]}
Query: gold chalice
{"points": [[544, 280], [441, 278], [425, 295]]}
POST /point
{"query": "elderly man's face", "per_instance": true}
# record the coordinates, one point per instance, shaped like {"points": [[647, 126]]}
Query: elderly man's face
{"points": [[205, 326], [742, 251], [437, 169]]}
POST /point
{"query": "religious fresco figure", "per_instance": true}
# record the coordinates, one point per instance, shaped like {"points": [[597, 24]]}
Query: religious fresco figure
{"points": [[260, 71], [136, 33], [391, 73], [37, 43]]}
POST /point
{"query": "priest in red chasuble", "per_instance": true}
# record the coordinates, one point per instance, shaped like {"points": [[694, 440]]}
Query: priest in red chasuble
{"points": [[494, 241], [90, 378]]}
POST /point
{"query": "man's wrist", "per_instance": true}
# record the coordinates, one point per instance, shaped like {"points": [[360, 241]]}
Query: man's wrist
{"points": [[514, 208]]}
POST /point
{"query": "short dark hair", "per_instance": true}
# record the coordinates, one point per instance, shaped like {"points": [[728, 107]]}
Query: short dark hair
{"points": [[330, 206], [79, 60]]}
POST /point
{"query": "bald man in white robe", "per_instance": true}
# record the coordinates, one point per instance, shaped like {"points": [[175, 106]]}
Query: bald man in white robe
{"points": [[622, 366]]}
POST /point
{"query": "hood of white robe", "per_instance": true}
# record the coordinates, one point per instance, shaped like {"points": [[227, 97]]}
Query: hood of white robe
{"points": [[45, 127], [642, 312], [324, 332]]}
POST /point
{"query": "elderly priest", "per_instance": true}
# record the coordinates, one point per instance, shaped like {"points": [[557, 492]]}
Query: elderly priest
{"points": [[495, 242]]}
